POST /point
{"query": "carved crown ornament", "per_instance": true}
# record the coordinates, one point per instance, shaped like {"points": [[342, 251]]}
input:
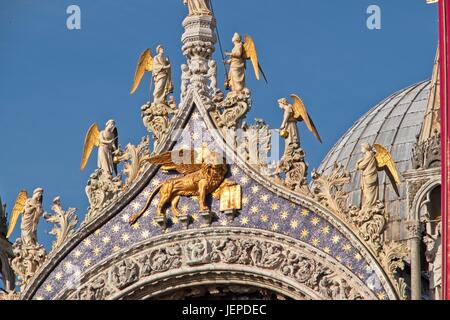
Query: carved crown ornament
{"points": [[172, 191]]}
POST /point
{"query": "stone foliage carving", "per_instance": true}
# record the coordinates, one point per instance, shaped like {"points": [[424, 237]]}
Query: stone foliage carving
{"points": [[293, 170], [157, 117], [237, 251], [257, 146], [329, 190], [64, 223], [371, 224], [101, 190], [132, 160], [28, 258], [427, 154], [230, 112]]}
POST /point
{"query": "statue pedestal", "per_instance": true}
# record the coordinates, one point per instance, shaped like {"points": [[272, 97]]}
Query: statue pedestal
{"points": [[162, 222], [185, 220], [231, 214], [208, 217]]}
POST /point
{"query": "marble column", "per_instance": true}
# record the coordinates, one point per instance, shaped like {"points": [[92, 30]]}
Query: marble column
{"points": [[415, 229]]}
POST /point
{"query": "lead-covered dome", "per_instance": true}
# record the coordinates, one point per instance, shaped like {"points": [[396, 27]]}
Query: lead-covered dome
{"points": [[394, 123]]}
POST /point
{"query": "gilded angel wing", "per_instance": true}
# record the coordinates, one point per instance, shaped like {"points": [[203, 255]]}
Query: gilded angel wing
{"points": [[92, 140], [145, 63], [250, 53], [183, 161], [19, 205], [385, 162], [300, 113]]}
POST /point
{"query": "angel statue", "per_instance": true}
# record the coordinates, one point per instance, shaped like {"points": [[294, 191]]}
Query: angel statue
{"points": [[160, 67], [294, 113], [107, 142], [198, 7], [376, 158], [31, 210], [242, 51]]}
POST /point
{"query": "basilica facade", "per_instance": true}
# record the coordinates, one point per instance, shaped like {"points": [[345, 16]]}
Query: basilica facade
{"points": [[202, 213]]}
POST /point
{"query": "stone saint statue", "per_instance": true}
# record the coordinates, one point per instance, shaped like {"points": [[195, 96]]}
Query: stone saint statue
{"points": [[369, 177], [32, 212], [198, 7], [162, 76], [237, 64]]}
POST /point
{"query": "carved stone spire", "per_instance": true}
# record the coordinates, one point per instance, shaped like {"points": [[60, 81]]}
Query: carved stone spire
{"points": [[426, 152], [431, 123], [198, 41]]}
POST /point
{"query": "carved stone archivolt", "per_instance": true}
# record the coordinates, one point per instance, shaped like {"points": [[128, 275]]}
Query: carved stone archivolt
{"points": [[300, 267]]}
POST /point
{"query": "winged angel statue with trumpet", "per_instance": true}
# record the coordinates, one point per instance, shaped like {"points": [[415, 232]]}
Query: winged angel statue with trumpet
{"points": [[376, 158], [203, 174], [242, 51], [293, 113]]}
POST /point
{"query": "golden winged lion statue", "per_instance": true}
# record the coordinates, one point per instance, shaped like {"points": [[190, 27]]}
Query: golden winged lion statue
{"points": [[203, 174], [241, 52]]}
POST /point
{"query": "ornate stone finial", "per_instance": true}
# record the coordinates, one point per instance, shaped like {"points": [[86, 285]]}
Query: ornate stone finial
{"points": [[198, 41], [64, 222]]}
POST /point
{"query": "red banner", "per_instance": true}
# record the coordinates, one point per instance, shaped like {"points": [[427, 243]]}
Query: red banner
{"points": [[444, 43]]}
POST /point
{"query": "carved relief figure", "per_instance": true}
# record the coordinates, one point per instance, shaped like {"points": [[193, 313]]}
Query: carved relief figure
{"points": [[107, 142], [212, 75], [162, 76], [185, 79], [198, 7]]}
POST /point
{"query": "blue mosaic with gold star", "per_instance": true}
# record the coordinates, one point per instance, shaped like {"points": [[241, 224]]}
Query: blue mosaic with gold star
{"points": [[261, 209]]}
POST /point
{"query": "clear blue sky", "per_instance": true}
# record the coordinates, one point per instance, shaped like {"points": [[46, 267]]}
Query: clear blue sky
{"points": [[54, 83]]}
